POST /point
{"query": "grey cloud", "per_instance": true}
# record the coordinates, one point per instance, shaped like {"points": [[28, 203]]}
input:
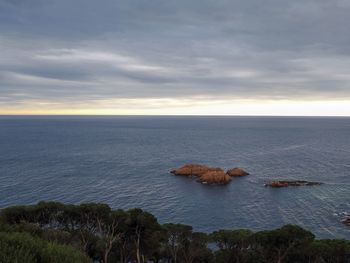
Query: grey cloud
{"points": [[85, 49]]}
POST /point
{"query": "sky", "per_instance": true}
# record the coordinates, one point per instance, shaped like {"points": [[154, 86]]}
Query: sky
{"points": [[183, 57]]}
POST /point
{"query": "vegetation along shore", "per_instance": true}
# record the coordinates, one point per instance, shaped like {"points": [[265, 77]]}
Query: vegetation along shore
{"points": [[93, 232]]}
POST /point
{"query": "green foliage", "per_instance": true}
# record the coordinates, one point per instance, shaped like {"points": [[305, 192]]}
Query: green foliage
{"points": [[277, 245], [19, 247], [196, 248], [176, 235], [62, 254], [15, 214], [56, 232], [232, 243], [183, 245], [143, 231], [24, 248], [328, 250]]}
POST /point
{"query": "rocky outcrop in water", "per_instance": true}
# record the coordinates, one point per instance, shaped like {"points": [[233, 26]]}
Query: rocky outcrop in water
{"points": [[195, 170], [209, 175], [237, 172], [215, 177], [346, 221], [278, 184]]}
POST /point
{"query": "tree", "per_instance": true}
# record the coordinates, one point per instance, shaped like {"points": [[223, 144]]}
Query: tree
{"points": [[232, 243], [24, 248], [195, 248], [142, 231], [15, 214], [125, 246], [276, 245], [55, 232], [328, 250], [176, 236], [111, 230], [89, 221], [47, 214]]}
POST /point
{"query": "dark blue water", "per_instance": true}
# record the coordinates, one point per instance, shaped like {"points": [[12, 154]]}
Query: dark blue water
{"points": [[125, 162]]}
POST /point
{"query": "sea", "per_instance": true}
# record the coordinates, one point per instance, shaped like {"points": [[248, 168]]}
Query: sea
{"points": [[125, 162]]}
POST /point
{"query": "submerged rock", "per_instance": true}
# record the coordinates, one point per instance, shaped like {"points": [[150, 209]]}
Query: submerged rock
{"points": [[346, 221], [195, 170], [278, 184], [215, 177], [237, 172]]}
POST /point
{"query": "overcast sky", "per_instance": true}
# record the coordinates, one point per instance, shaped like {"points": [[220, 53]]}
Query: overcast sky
{"points": [[275, 57]]}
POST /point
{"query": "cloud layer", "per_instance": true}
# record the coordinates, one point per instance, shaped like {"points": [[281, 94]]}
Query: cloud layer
{"points": [[87, 52]]}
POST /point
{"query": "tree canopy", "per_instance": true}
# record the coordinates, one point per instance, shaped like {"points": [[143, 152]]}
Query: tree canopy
{"points": [[93, 232]]}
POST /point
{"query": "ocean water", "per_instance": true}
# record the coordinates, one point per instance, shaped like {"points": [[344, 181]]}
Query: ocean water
{"points": [[125, 162]]}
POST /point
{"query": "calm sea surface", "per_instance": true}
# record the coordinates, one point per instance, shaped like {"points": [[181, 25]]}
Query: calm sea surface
{"points": [[125, 162]]}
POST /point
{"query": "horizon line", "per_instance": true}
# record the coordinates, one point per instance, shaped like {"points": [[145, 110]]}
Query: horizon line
{"points": [[168, 115]]}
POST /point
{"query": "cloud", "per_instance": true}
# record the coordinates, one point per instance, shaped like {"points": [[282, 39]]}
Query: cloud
{"points": [[89, 51]]}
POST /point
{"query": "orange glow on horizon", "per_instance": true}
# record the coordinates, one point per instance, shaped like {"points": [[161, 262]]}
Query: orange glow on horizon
{"points": [[185, 107]]}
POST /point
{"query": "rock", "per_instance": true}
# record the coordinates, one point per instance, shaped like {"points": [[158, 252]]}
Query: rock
{"points": [[215, 177], [237, 172], [195, 170], [209, 175], [346, 221], [278, 184]]}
